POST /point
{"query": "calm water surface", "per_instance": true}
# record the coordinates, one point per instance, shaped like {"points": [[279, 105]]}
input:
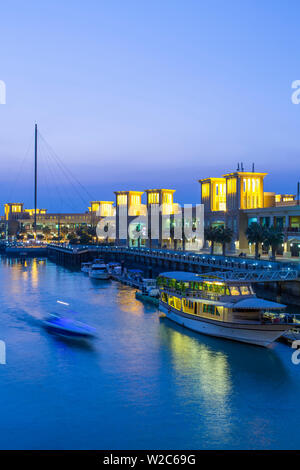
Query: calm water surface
{"points": [[143, 383]]}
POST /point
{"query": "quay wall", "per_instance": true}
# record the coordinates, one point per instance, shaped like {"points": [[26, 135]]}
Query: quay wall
{"points": [[289, 291]]}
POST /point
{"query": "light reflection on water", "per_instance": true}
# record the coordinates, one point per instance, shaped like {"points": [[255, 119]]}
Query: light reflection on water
{"points": [[143, 383]]}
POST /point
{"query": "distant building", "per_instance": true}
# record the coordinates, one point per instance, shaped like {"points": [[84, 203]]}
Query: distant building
{"points": [[17, 218]]}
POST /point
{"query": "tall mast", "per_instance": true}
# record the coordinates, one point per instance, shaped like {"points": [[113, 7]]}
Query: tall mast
{"points": [[35, 177]]}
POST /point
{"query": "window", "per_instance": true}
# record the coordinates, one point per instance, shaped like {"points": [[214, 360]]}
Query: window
{"points": [[209, 308], [245, 290], [205, 190], [234, 290], [175, 302], [153, 198], [122, 199]]}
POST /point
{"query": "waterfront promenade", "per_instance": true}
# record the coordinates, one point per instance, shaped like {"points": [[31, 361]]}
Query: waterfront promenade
{"points": [[255, 270]]}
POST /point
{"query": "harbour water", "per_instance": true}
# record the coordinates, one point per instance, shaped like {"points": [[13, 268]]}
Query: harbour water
{"points": [[143, 383]]}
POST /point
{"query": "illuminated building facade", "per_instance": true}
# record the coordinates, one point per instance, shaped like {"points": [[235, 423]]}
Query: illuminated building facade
{"points": [[129, 228], [17, 218], [102, 208], [160, 211], [238, 199]]}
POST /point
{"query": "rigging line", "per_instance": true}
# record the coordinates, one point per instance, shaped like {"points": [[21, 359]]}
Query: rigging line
{"points": [[20, 168], [44, 172], [68, 188], [69, 179], [56, 175], [55, 170], [71, 174], [55, 180], [45, 163]]}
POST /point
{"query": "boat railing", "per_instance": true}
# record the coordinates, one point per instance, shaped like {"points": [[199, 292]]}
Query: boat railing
{"points": [[202, 294], [195, 293]]}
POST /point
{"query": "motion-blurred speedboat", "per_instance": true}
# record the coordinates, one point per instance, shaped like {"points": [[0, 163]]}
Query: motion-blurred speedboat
{"points": [[68, 327]]}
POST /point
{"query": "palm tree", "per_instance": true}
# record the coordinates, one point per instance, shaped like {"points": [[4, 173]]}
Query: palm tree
{"points": [[224, 235], [273, 238], [64, 230], [211, 235], [46, 231], [255, 234]]}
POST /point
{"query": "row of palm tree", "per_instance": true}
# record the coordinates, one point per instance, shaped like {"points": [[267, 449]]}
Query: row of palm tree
{"points": [[257, 234], [270, 236], [81, 234]]}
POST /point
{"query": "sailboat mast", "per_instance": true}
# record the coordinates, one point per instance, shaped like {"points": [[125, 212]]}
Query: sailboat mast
{"points": [[35, 177]]}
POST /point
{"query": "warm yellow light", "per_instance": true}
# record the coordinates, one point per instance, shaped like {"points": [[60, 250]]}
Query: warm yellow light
{"points": [[231, 186], [106, 209], [251, 192], [122, 199], [218, 202], [95, 206], [135, 199], [153, 198], [205, 190]]}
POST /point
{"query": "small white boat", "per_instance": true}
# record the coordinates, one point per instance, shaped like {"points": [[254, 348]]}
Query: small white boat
{"points": [[114, 268], [99, 271], [85, 267], [148, 292], [68, 327]]}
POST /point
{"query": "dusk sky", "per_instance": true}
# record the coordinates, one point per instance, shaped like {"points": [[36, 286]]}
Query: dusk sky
{"points": [[142, 94]]}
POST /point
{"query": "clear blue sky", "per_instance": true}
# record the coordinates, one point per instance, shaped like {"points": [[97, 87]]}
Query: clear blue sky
{"points": [[139, 94]]}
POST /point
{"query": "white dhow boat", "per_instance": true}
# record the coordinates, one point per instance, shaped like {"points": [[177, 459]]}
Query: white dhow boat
{"points": [[212, 305], [99, 271]]}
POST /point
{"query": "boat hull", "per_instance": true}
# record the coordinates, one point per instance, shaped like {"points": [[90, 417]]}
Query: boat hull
{"points": [[67, 334], [256, 334], [100, 276]]}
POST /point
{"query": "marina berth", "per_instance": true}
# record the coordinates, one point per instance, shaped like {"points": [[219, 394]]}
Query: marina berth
{"points": [[215, 306]]}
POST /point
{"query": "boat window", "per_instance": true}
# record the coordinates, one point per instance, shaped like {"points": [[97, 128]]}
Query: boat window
{"points": [[207, 286], [189, 307], [234, 290], [227, 291], [175, 302], [209, 308], [245, 290], [219, 289]]}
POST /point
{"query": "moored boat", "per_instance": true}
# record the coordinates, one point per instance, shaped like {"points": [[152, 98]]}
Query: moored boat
{"points": [[212, 305], [99, 271], [85, 267], [149, 292], [114, 268]]}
